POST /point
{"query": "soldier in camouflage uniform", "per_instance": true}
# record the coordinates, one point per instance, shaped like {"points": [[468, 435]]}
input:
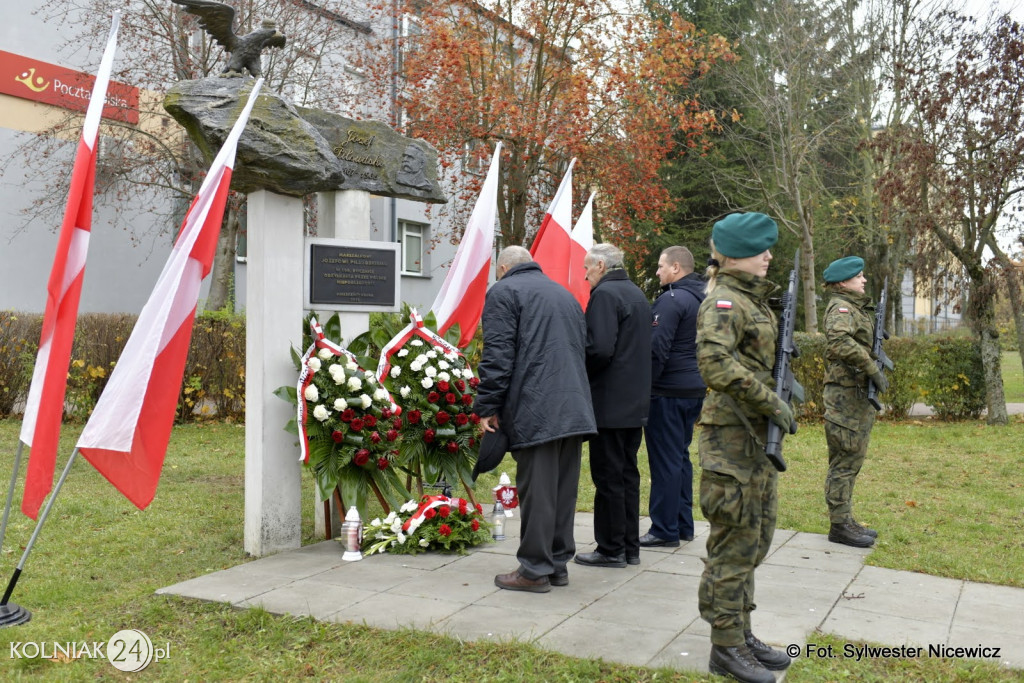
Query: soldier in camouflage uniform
{"points": [[736, 335], [849, 329]]}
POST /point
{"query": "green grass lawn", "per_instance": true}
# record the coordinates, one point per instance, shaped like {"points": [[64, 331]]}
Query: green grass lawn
{"points": [[1013, 377], [948, 500]]}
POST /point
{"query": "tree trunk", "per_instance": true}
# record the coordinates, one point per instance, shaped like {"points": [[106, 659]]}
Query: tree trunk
{"points": [[807, 280], [982, 307], [222, 277]]}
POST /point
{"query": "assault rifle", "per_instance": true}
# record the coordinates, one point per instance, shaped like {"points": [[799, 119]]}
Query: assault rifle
{"points": [[786, 386], [877, 351]]}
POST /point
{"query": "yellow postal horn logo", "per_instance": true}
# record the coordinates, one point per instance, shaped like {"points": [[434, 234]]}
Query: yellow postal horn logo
{"points": [[33, 82]]}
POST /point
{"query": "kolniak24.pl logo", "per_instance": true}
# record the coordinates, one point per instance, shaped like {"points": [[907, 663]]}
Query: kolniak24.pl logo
{"points": [[128, 650]]}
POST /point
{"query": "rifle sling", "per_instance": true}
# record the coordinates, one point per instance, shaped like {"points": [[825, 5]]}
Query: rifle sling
{"points": [[743, 418]]}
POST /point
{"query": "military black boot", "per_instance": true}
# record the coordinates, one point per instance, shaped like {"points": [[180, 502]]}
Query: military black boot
{"points": [[739, 663], [865, 530], [849, 534], [771, 659]]}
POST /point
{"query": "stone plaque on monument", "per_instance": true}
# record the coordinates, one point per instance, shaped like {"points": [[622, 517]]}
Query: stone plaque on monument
{"points": [[352, 275]]}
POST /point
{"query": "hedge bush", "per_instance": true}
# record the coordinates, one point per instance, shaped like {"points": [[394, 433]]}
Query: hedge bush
{"points": [[214, 384]]}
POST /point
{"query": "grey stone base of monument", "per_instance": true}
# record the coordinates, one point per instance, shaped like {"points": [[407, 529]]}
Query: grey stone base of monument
{"points": [[274, 313]]}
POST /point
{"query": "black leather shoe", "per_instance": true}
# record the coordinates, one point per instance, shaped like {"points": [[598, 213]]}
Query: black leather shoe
{"points": [[850, 535], [771, 659], [632, 559], [686, 539], [596, 559], [739, 663], [649, 540], [557, 579], [865, 530]]}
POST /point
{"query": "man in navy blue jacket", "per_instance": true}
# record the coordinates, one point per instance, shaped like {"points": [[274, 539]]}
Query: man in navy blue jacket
{"points": [[533, 385], [619, 369], [677, 394]]}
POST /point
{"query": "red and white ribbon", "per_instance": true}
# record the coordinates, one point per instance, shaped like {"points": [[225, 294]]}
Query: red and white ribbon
{"points": [[415, 328], [306, 377], [434, 502]]}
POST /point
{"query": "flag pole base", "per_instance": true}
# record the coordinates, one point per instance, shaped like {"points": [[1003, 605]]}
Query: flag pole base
{"points": [[13, 615]]}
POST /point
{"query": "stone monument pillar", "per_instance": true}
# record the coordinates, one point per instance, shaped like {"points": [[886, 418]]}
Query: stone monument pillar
{"points": [[273, 473]]}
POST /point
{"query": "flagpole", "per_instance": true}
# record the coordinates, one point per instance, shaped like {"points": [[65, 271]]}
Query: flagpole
{"points": [[11, 614], [10, 493]]}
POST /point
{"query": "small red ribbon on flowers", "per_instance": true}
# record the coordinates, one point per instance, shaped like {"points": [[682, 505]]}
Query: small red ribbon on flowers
{"points": [[432, 502], [415, 328]]}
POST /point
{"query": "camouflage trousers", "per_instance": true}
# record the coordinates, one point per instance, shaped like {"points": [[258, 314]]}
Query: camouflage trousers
{"points": [[742, 511], [848, 421]]}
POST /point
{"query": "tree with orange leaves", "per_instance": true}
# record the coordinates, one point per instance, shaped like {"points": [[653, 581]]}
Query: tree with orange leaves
{"points": [[552, 79]]}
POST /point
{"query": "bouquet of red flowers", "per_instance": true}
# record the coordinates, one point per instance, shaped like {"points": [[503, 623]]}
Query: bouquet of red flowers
{"points": [[350, 429], [435, 386], [437, 523]]}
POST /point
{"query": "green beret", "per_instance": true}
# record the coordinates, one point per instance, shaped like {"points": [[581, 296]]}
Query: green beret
{"points": [[843, 269], [740, 235]]}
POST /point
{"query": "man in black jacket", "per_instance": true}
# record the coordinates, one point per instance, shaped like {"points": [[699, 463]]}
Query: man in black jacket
{"points": [[677, 396], [619, 368], [533, 383]]}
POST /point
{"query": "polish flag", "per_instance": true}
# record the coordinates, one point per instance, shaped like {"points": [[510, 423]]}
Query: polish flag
{"points": [[582, 241], [552, 247], [127, 435], [44, 409], [461, 299]]}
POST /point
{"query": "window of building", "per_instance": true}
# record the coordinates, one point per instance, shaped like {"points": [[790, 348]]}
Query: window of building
{"points": [[413, 237]]}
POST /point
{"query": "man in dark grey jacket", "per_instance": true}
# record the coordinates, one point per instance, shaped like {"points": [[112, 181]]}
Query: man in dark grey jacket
{"points": [[533, 384], [677, 396], [619, 367]]}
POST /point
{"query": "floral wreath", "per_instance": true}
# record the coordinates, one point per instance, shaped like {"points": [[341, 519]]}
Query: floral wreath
{"points": [[351, 436], [436, 386]]}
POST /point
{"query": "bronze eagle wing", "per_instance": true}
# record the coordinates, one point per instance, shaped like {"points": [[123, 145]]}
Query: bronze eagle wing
{"points": [[215, 18]]}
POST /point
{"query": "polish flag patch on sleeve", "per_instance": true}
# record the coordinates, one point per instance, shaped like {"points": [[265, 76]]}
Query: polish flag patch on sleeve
{"points": [[844, 310], [722, 303]]}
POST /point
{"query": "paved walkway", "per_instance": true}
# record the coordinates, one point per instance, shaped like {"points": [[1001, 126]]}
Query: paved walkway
{"points": [[626, 615]]}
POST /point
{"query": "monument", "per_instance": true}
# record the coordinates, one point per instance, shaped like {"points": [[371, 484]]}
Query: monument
{"points": [[284, 154]]}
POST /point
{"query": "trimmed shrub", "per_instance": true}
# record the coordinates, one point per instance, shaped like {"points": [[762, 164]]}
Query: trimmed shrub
{"points": [[809, 369], [953, 380], [214, 383], [19, 342]]}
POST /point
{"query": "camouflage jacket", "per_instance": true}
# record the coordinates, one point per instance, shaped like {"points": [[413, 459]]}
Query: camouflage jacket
{"points": [[736, 335], [849, 330]]}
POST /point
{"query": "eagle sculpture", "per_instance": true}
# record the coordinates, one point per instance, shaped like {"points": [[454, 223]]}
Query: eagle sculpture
{"points": [[244, 51]]}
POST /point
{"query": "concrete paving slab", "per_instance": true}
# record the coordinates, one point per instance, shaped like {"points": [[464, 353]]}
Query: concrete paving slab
{"points": [[1010, 653], [904, 593], [391, 611], [988, 607], [885, 629], [229, 585], [501, 624], [608, 640], [785, 578], [370, 576], [676, 563], [308, 597], [686, 651], [803, 558]]}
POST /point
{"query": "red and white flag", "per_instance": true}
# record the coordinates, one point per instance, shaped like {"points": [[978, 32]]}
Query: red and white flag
{"points": [[582, 241], [127, 435], [44, 409], [461, 299], [552, 247]]}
